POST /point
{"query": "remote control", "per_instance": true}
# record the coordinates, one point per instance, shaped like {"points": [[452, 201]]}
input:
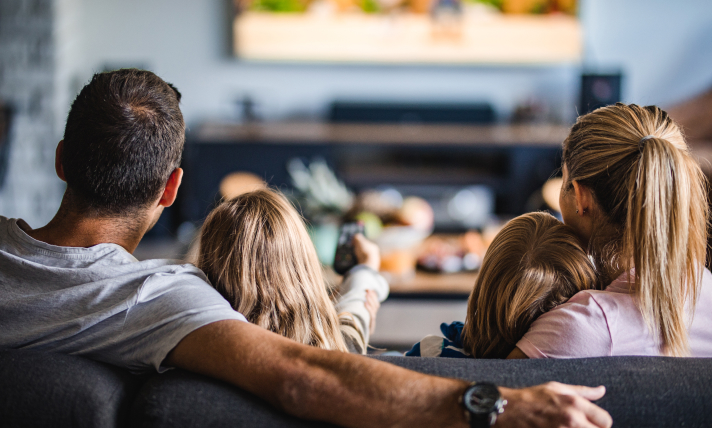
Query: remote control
{"points": [[345, 257]]}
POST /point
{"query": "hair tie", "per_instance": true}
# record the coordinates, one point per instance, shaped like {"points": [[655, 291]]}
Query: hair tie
{"points": [[642, 140]]}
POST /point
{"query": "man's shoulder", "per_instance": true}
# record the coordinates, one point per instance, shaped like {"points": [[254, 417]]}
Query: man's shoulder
{"points": [[160, 277], [165, 272], [4, 222]]}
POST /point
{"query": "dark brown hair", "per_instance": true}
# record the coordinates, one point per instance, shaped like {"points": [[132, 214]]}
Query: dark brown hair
{"points": [[533, 264], [123, 138]]}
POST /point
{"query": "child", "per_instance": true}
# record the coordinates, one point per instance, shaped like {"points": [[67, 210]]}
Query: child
{"points": [[534, 264], [257, 253]]}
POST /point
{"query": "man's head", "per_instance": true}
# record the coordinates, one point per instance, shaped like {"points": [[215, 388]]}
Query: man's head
{"points": [[123, 139]]}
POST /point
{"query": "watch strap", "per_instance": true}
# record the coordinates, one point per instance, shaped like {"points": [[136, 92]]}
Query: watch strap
{"points": [[479, 422]]}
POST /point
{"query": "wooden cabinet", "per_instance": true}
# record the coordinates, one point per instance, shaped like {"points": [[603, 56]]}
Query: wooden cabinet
{"points": [[513, 160]]}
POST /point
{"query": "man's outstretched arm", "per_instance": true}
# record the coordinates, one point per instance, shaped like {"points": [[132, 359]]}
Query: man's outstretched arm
{"points": [[356, 391]]}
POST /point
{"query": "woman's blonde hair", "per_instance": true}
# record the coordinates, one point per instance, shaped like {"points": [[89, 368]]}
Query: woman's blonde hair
{"points": [[653, 197], [257, 253], [533, 264]]}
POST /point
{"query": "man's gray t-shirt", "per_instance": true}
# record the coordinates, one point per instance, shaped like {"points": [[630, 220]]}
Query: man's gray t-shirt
{"points": [[99, 302]]}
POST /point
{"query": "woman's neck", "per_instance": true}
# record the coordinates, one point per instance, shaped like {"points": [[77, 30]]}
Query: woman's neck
{"points": [[606, 249]]}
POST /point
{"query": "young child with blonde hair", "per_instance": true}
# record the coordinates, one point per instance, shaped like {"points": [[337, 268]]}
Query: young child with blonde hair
{"points": [[257, 253], [533, 264]]}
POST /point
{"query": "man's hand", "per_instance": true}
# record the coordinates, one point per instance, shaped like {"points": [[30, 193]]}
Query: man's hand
{"points": [[367, 253], [372, 305], [553, 405]]}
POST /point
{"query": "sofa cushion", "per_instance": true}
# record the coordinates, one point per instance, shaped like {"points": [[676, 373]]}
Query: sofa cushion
{"points": [[53, 390]]}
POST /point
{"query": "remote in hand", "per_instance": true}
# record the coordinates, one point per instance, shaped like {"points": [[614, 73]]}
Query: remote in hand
{"points": [[345, 257]]}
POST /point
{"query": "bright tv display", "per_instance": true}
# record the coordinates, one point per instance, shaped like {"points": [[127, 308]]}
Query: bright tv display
{"points": [[408, 31]]}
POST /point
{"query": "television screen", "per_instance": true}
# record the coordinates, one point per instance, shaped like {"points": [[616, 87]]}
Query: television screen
{"points": [[408, 31]]}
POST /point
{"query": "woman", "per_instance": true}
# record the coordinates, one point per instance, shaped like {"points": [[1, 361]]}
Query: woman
{"points": [[636, 197], [256, 252]]}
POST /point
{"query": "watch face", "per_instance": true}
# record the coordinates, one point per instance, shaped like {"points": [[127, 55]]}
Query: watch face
{"points": [[482, 399]]}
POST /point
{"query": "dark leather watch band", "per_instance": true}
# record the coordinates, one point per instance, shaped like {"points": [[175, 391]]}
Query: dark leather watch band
{"points": [[479, 422]]}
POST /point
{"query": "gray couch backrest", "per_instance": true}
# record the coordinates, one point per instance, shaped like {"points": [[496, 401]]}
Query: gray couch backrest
{"points": [[39, 389]]}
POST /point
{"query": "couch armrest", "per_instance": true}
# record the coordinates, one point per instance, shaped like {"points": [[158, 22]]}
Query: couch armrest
{"points": [[53, 390]]}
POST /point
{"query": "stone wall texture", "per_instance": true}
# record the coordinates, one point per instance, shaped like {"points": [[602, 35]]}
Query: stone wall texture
{"points": [[28, 85]]}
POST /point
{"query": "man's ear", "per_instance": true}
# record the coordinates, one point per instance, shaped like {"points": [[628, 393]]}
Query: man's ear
{"points": [[584, 198], [58, 161], [171, 190]]}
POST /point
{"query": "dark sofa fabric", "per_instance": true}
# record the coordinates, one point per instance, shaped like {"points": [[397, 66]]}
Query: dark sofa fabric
{"points": [[640, 391], [182, 399], [57, 390], [54, 390]]}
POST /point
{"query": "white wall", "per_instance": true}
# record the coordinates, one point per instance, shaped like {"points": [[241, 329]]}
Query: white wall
{"points": [[185, 41], [664, 47], [28, 70]]}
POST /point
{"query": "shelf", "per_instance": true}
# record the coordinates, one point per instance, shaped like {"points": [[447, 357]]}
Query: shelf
{"points": [[474, 38], [436, 283], [423, 284], [542, 135]]}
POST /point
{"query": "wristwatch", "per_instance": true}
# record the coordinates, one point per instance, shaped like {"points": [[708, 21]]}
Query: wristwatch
{"points": [[483, 404]]}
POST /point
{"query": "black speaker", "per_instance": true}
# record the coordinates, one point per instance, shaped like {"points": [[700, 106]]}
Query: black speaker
{"points": [[375, 112], [599, 90]]}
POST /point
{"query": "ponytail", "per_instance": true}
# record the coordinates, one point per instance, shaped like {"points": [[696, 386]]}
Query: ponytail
{"points": [[653, 197], [659, 231]]}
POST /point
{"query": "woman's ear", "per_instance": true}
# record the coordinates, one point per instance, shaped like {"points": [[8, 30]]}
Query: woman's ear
{"points": [[583, 198]]}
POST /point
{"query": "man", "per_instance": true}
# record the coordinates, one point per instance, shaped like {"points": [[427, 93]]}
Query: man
{"points": [[72, 286]]}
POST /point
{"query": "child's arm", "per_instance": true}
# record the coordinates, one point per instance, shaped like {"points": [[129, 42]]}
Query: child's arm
{"points": [[352, 296], [372, 306], [517, 354]]}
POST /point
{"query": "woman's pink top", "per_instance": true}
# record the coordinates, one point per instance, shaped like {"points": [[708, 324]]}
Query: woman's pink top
{"points": [[608, 323]]}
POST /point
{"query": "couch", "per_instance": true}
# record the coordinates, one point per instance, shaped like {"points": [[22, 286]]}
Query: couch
{"points": [[53, 390]]}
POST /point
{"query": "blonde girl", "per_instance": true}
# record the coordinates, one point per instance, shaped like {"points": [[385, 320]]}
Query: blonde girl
{"points": [[256, 252], [638, 200], [534, 264]]}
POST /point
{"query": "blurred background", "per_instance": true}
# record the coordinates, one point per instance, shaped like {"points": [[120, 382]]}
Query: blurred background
{"points": [[431, 121]]}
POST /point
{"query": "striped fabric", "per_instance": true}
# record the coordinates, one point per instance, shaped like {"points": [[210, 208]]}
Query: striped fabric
{"points": [[449, 346]]}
